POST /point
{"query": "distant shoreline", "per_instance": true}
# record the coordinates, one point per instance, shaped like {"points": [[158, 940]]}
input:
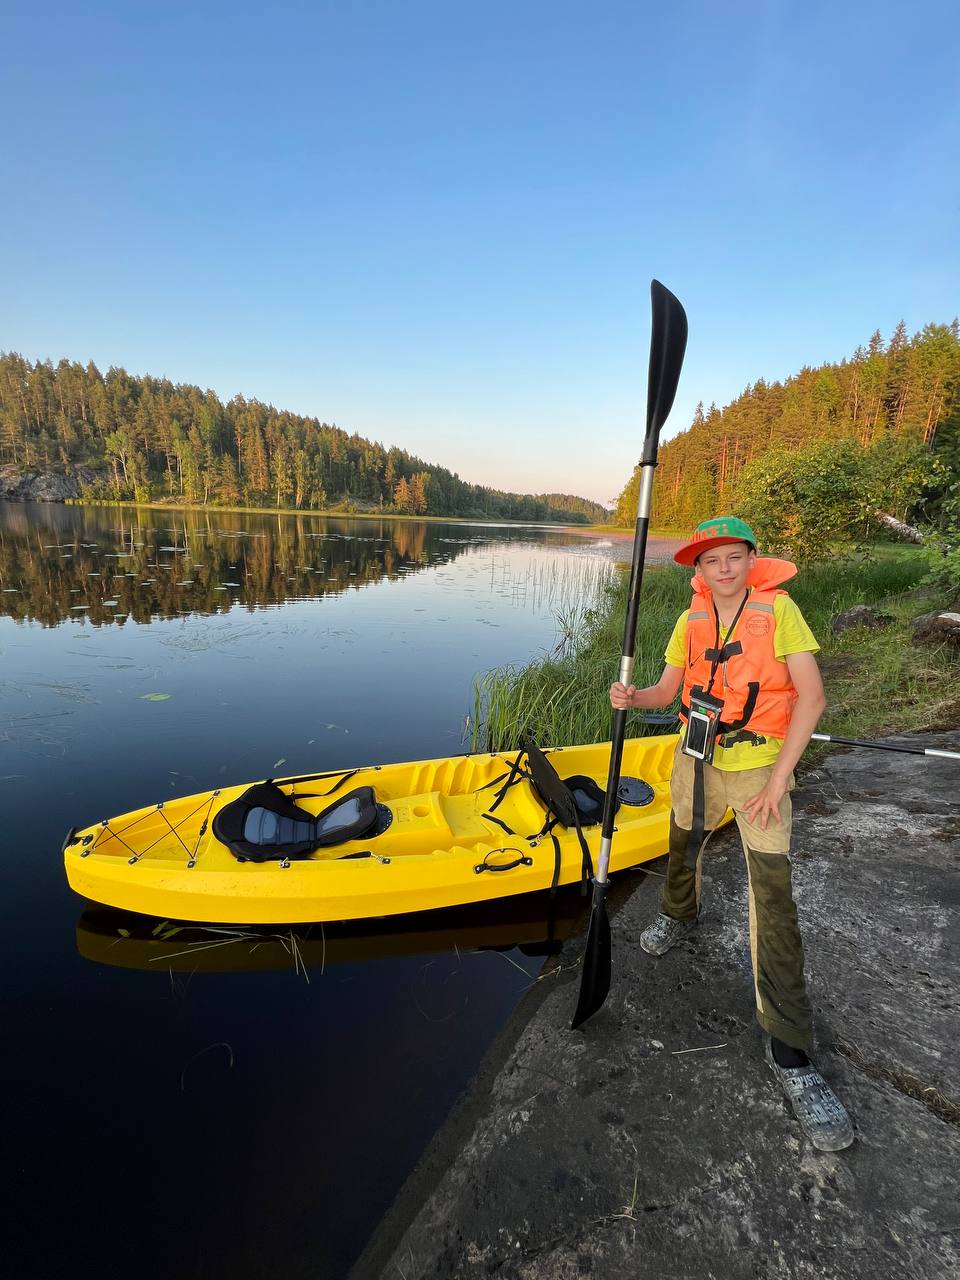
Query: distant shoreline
{"points": [[593, 530]]}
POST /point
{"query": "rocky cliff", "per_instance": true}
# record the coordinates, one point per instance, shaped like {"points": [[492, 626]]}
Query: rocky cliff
{"points": [[17, 484]]}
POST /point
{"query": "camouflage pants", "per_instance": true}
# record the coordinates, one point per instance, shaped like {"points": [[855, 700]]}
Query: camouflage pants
{"points": [[776, 948]]}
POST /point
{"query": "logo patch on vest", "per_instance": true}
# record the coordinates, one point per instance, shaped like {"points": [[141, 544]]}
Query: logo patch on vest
{"points": [[758, 626]]}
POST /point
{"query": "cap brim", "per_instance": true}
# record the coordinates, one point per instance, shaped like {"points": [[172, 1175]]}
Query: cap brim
{"points": [[688, 554]]}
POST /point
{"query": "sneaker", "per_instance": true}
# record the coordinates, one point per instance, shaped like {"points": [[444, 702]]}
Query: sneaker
{"points": [[664, 933], [823, 1117]]}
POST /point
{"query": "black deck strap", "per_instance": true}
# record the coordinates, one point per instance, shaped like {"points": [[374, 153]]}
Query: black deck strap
{"points": [[490, 818], [549, 823], [318, 795], [556, 866], [500, 777], [509, 779], [492, 783], [516, 774], [586, 862], [333, 773]]}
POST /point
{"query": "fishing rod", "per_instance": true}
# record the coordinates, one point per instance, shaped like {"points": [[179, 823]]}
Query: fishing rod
{"points": [[886, 746], [666, 719]]}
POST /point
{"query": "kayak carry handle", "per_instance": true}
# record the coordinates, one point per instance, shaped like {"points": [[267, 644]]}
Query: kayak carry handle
{"points": [[523, 860]]}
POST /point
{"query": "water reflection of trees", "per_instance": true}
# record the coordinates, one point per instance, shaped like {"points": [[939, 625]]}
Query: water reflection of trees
{"points": [[115, 564]]}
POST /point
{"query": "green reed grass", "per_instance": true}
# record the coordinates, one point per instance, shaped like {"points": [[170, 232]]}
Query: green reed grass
{"points": [[875, 680]]}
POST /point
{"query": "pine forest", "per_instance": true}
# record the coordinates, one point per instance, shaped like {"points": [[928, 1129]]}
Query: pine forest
{"points": [[146, 439], [886, 397]]}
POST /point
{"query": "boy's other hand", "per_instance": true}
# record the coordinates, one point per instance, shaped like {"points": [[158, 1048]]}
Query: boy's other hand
{"points": [[621, 696], [766, 804]]}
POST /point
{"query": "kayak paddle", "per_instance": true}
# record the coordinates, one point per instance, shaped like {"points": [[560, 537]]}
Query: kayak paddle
{"points": [[668, 341]]}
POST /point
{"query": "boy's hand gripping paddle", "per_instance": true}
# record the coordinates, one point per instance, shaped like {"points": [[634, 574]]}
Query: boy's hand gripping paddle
{"points": [[668, 341]]}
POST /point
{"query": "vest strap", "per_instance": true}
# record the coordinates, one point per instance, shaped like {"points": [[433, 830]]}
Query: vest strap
{"points": [[729, 650], [696, 836], [731, 726]]}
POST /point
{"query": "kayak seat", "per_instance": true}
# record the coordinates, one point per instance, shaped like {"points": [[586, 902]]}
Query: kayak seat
{"points": [[588, 798], [575, 801], [264, 824]]}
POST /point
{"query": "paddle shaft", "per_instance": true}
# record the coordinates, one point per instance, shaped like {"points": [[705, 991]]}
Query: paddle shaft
{"points": [[618, 733]]}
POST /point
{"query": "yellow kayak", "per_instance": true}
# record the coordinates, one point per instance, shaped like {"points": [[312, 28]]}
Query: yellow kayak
{"points": [[374, 842]]}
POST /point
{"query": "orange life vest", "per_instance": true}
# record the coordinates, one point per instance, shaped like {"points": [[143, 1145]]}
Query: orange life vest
{"points": [[756, 689]]}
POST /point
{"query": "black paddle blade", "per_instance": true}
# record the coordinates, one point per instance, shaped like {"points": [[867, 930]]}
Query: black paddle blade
{"points": [[668, 342], [595, 979]]}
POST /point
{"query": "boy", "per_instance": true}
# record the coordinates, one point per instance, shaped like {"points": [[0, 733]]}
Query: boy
{"points": [[745, 655]]}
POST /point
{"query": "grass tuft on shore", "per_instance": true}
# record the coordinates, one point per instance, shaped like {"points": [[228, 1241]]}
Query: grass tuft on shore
{"points": [[876, 681]]}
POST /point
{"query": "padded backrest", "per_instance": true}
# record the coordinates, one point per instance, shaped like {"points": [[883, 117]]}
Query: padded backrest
{"points": [[549, 785], [264, 824], [351, 817]]}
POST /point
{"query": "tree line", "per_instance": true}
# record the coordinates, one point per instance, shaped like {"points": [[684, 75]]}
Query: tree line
{"points": [[895, 400], [145, 439]]}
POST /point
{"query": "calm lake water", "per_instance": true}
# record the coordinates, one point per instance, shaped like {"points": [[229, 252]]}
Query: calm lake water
{"points": [[225, 1107]]}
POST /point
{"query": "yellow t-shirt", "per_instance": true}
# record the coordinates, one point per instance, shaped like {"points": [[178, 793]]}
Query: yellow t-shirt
{"points": [[791, 635]]}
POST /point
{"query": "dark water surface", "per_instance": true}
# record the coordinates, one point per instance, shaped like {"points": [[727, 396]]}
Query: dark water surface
{"points": [[239, 1106]]}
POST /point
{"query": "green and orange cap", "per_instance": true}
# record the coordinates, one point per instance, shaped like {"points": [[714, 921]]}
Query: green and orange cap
{"points": [[714, 533]]}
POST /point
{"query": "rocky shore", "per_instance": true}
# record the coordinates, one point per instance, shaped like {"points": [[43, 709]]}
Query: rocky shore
{"points": [[18, 484], [655, 1142]]}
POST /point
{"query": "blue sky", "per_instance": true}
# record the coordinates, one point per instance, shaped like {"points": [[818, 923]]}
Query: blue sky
{"points": [[435, 223]]}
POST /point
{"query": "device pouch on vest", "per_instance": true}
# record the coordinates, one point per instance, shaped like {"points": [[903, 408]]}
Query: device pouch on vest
{"points": [[703, 725]]}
